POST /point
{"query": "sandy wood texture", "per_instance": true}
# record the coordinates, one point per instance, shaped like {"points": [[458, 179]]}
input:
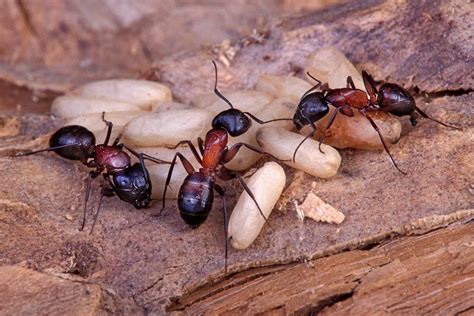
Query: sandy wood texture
{"points": [[428, 274], [136, 262]]}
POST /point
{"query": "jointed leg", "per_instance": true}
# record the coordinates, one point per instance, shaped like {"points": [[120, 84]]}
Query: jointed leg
{"points": [[221, 193], [109, 129], [104, 192], [370, 87], [142, 156], [310, 135], [191, 146], [383, 142], [323, 133], [232, 151], [316, 86], [201, 145], [226, 174], [90, 176], [434, 120], [189, 169], [350, 82]]}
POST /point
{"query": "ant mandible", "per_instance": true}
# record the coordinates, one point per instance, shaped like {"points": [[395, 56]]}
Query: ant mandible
{"points": [[391, 98], [131, 183], [196, 194]]}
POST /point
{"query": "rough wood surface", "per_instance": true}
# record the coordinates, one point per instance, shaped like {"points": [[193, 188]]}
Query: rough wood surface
{"points": [[428, 274], [154, 264]]}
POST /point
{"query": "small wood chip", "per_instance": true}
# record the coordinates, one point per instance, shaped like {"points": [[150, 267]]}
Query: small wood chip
{"points": [[315, 208]]}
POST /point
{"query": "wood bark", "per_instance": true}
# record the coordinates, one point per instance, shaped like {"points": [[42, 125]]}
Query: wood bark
{"points": [[370, 263]]}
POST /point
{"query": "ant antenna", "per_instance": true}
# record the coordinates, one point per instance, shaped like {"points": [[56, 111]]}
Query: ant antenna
{"points": [[217, 91]]}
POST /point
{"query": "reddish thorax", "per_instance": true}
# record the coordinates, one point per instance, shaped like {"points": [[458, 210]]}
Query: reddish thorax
{"points": [[111, 158], [214, 146], [354, 98]]}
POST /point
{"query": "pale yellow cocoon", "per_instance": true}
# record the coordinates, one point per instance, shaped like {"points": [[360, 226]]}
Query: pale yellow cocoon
{"points": [[72, 106], [282, 144], [143, 93], [167, 128], [246, 222]]}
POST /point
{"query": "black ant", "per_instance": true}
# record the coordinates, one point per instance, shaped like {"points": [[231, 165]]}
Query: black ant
{"points": [[131, 183], [391, 98], [196, 194]]}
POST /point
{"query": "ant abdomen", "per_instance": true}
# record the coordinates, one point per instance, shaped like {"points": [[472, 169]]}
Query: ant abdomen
{"points": [[195, 198], [311, 108], [131, 186], [233, 121], [70, 135], [395, 100]]}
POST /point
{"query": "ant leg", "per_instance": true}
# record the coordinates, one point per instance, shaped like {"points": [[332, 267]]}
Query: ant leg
{"points": [[221, 192], [350, 82], [383, 142], [259, 121], [316, 86], [109, 129], [369, 84], [323, 133], [46, 149], [187, 166], [232, 151], [217, 92], [92, 175], [105, 192], [226, 174], [191, 146], [145, 156], [201, 145], [310, 135], [434, 120]]}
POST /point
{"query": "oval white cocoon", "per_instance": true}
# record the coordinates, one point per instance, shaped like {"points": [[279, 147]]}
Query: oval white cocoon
{"points": [[139, 92], [167, 128], [246, 222], [282, 143], [73, 106]]}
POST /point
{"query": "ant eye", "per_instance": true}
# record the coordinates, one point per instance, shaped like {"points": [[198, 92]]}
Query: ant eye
{"points": [[124, 182]]}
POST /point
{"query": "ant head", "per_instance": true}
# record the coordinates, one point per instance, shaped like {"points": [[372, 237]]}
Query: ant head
{"points": [[395, 100], [311, 109], [234, 121], [133, 186], [81, 142]]}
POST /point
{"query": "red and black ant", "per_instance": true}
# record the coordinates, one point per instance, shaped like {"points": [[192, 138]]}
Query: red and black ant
{"points": [[131, 183], [390, 98], [196, 194]]}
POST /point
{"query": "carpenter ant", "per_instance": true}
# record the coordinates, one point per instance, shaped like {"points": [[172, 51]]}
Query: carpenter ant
{"points": [[391, 98], [196, 194], [131, 183]]}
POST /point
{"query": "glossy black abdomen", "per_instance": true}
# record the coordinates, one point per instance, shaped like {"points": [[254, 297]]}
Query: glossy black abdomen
{"points": [[70, 135], [195, 198]]}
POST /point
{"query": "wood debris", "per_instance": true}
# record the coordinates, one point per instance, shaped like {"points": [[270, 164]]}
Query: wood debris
{"points": [[316, 209]]}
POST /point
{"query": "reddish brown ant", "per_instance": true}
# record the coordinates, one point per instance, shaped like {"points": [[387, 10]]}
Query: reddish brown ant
{"points": [[391, 98], [131, 183], [196, 196]]}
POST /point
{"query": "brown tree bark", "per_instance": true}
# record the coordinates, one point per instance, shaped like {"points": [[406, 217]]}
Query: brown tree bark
{"points": [[406, 245]]}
